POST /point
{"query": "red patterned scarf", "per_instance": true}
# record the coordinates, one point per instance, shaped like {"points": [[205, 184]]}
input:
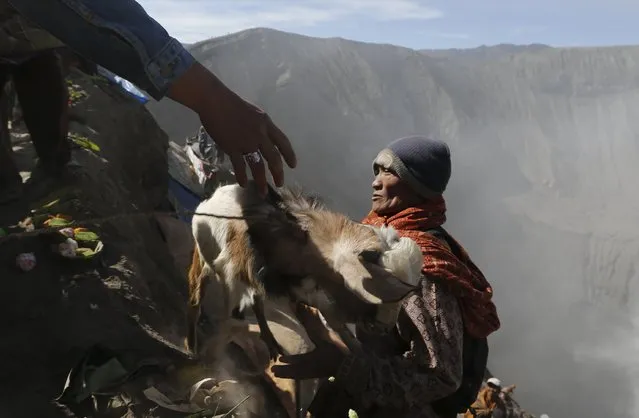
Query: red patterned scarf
{"points": [[464, 278]]}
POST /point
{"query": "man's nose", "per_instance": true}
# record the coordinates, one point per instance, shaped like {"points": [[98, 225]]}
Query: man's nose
{"points": [[377, 184]]}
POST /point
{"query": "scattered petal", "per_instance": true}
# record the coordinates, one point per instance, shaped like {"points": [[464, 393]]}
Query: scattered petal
{"points": [[26, 261], [27, 224], [68, 248], [68, 232]]}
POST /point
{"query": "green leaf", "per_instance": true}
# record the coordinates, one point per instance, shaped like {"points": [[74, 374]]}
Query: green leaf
{"points": [[89, 252], [86, 236], [3, 233], [85, 142], [58, 222], [85, 252], [352, 414]]}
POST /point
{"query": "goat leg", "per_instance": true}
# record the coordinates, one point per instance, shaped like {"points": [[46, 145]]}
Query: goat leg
{"points": [[337, 322], [266, 334], [193, 316], [193, 312]]}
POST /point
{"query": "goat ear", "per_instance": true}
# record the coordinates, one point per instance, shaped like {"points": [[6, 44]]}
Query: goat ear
{"points": [[291, 227], [378, 288]]}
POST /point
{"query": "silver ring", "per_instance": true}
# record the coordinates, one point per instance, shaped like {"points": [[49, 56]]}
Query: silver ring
{"points": [[253, 157]]}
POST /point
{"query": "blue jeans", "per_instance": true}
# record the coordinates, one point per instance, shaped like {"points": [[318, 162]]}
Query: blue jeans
{"points": [[116, 34]]}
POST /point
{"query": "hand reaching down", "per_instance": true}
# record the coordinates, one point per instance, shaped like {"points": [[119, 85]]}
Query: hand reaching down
{"points": [[243, 131]]}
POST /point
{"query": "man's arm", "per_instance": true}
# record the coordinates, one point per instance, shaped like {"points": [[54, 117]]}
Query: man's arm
{"points": [[117, 34], [430, 370]]}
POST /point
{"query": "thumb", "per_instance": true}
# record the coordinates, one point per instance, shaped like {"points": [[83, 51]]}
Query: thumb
{"points": [[312, 322]]}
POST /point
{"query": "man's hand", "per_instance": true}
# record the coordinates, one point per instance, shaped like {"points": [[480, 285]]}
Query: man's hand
{"points": [[323, 361], [237, 126]]}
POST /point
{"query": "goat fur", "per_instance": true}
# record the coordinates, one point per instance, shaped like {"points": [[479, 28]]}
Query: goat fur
{"points": [[247, 248]]}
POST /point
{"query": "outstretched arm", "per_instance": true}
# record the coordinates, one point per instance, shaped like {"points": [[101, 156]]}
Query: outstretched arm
{"points": [[122, 37]]}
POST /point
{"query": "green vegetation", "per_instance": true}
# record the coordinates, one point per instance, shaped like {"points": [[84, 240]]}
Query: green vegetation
{"points": [[84, 142], [76, 93]]}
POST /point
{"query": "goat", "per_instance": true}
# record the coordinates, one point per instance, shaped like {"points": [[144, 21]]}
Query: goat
{"points": [[247, 247]]}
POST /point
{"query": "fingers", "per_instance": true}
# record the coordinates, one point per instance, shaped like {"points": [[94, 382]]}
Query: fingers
{"points": [[274, 160], [280, 140], [292, 372], [259, 175], [239, 168], [293, 359], [305, 312], [258, 171], [240, 129], [313, 325]]}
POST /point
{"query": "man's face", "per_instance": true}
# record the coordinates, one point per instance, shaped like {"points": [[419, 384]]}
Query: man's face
{"points": [[390, 193]]}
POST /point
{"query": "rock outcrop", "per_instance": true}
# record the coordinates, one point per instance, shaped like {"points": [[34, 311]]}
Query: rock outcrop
{"points": [[131, 299]]}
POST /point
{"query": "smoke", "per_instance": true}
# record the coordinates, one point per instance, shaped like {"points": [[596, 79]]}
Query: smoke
{"points": [[567, 355], [238, 386]]}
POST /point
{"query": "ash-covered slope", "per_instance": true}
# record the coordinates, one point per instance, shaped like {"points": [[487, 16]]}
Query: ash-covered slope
{"points": [[545, 148]]}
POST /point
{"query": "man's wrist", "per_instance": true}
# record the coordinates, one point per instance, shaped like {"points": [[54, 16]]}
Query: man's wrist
{"points": [[198, 89]]}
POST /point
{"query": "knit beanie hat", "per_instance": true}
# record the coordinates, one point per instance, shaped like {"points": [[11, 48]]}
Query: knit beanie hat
{"points": [[422, 162]]}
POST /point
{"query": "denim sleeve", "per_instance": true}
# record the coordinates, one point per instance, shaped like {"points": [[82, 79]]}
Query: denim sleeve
{"points": [[116, 34]]}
